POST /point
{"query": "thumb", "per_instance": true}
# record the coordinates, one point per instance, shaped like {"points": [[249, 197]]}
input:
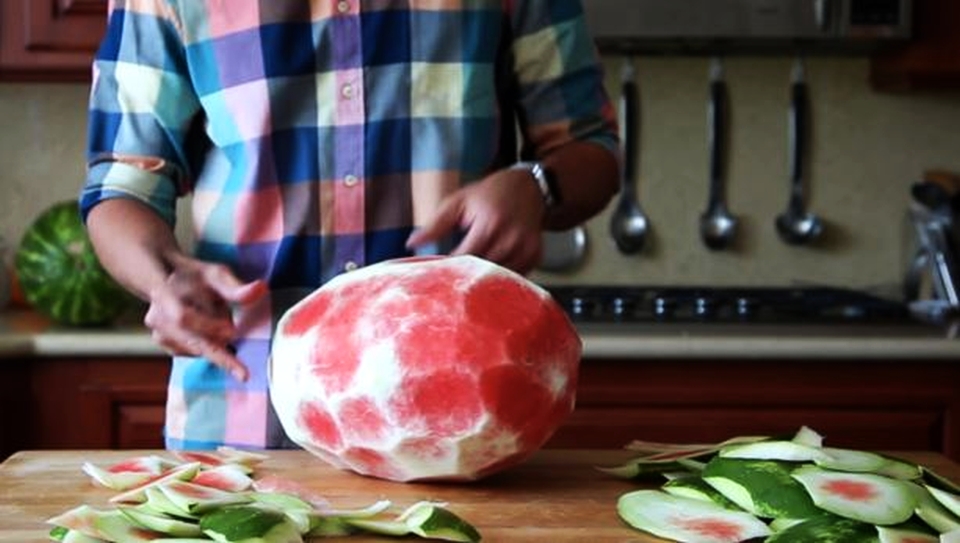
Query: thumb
{"points": [[444, 221], [248, 293], [231, 289]]}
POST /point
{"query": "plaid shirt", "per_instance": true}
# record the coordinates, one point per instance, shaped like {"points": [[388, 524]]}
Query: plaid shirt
{"points": [[313, 135]]}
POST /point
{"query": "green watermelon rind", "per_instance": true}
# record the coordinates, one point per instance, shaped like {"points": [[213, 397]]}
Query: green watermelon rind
{"points": [[826, 529], [893, 501], [677, 518], [60, 275], [762, 487]]}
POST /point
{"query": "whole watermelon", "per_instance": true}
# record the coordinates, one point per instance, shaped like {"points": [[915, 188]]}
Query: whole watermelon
{"points": [[60, 275], [432, 368]]}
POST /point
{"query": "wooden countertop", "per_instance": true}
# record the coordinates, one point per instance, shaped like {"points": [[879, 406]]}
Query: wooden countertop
{"points": [[557, 496], [25, 333]]}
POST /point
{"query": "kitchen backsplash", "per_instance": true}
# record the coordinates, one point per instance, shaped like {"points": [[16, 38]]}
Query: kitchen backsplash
{"points": [[867, 148]]}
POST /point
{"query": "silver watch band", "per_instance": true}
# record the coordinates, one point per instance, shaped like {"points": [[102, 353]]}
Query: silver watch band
{"points": [[539, 174]]}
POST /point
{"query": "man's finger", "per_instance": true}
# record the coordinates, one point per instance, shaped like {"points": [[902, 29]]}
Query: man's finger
{"points": [[442, 224], [189, 345]]}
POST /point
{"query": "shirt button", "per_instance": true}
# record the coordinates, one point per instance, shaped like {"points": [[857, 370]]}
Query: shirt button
{"points": [[346, 91], [350, 180], [343, 6], [350, 266]]}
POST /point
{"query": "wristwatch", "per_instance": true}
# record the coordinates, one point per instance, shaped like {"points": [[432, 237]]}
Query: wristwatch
{"points": [[545, 179]]}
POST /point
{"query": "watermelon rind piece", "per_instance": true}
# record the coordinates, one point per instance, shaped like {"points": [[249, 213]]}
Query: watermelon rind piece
{"points": [[243, 457], [116, 481], [897, 534], [359, 512], [108, 525], [162, 524], [850, 460], [297, 510], [693, 486], [65, 535], [249, 524], [808, 436], [934, 479], [897, 468], [434, 521], [639, 469], [782, 523], [157, 503], [184, 472], [931, 511], [827, 529], [59, 272], [948, 499], [866, 497], [226, 477], [656, 447], [687, 519], [774, 450], [198, 499], [764, 488]]}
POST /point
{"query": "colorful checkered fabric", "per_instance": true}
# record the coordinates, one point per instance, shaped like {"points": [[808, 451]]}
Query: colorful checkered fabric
{"points": [[313, 135]]}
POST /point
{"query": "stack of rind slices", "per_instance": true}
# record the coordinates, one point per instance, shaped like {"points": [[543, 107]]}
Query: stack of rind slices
{"points": [[197, 497], [792, 490]]}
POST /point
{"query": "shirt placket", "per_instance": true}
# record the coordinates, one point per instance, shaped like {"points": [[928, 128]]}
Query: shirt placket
{"points": [[350, 175]]}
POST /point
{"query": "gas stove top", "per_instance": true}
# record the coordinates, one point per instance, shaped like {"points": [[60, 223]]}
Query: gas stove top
{"points": [[762, 305]]}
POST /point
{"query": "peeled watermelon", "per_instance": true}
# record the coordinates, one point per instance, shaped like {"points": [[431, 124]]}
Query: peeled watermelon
{"points": [[425, 368]]}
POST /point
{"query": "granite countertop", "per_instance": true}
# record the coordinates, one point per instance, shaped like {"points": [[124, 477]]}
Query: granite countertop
{"points": [[25, 333]]}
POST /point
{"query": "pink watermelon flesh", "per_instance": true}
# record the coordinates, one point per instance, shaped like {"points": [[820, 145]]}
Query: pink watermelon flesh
{"points": [[439, 368]]}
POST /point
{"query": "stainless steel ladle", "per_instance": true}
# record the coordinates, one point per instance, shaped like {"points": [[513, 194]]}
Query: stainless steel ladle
{"points": [[629, 224], [718, 226], [796, 225]]}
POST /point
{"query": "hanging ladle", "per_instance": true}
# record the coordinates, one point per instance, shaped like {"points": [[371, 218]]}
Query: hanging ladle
{"points": [[628, 224], [796, 225], [718, 226]]}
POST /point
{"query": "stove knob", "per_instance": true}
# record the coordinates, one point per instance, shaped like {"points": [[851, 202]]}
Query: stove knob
{"points": [[746, 307], [704, 307], [663, 307], [578, 306], [622, 306]]}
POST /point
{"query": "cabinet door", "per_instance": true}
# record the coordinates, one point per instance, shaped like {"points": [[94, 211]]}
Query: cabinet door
{"points": [[932, 60], [886, 405], [49, 40], [112, 403]]}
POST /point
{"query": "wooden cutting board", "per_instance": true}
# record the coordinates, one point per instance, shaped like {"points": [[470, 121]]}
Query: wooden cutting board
{"points": [[558, 496]]}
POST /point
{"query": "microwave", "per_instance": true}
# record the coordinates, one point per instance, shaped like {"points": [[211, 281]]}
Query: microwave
{"points": [[748, 26]]}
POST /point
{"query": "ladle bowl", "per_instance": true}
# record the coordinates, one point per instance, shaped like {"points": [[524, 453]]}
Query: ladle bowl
{"points": [[629, 225], [718, 228], [797, 228]]}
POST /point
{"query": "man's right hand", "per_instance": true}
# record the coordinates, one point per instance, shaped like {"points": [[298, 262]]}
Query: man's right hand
{"points": [[190, 312]]}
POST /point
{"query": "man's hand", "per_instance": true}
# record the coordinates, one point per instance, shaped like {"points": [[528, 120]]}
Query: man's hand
{"points": [[502, 216], [190, 313]]}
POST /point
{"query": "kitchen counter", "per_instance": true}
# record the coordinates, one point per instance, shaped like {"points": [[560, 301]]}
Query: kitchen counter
{"points": [[556, 496], [25, 333]]}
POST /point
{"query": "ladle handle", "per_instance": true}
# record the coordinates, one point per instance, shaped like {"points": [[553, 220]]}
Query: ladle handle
{"points": [[716, 136], [629, 113], [799, 111]]}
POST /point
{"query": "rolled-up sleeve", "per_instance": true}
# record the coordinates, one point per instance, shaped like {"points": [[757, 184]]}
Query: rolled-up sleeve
{"points": [[142, 108], [560, 77]]}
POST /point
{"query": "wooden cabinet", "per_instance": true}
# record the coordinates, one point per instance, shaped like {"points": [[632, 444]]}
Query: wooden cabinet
{"points": [[97, 403], [49, 40], [907, 405], [83, 403], [932, 60]]}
